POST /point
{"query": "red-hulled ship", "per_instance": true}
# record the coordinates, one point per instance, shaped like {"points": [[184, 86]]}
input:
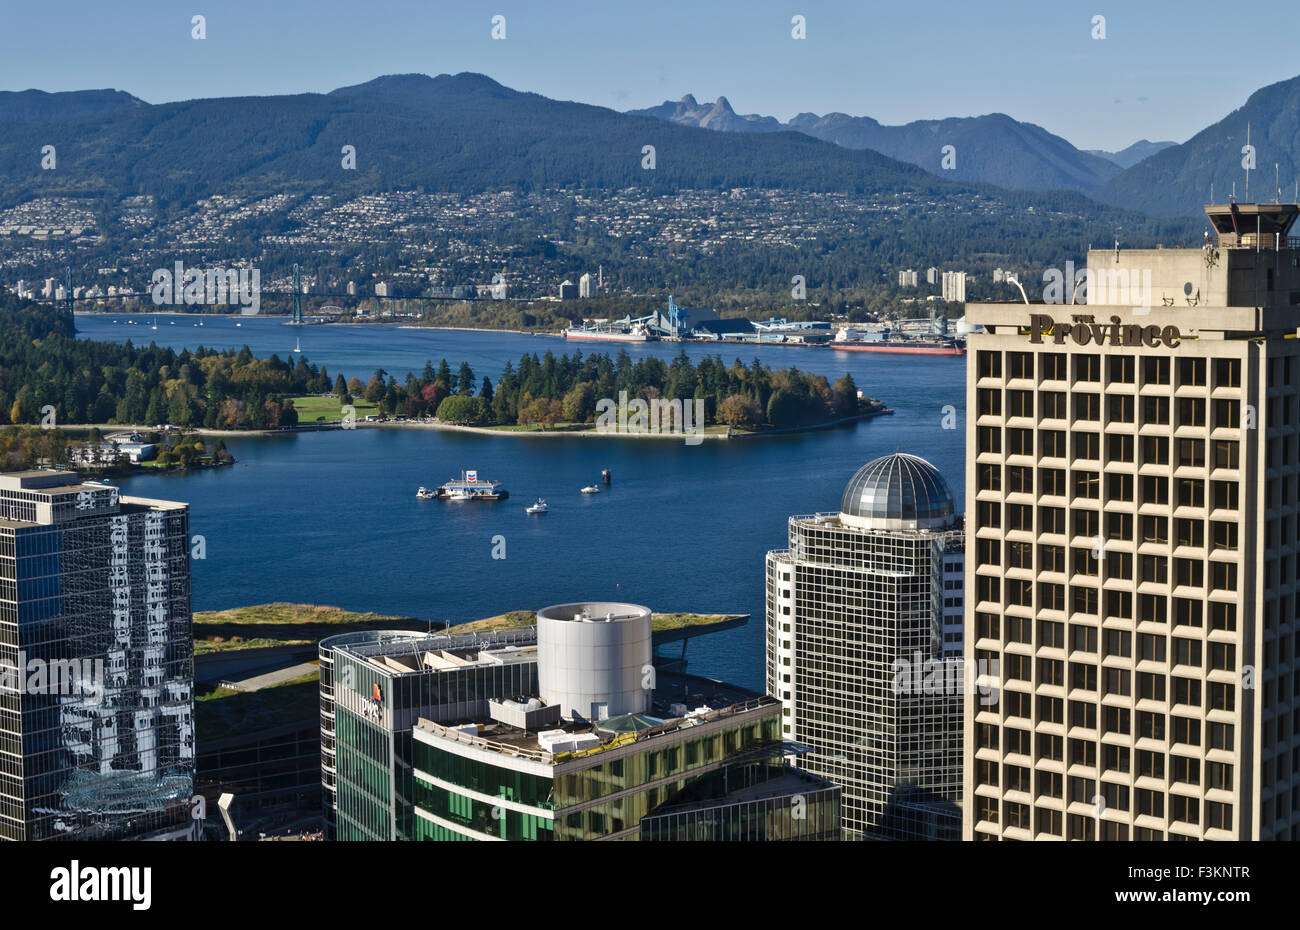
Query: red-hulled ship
{"points": [[903, 346]]}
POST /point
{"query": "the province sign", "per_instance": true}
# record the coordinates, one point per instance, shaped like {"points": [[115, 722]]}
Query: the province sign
{"points": [[1084, 331]]}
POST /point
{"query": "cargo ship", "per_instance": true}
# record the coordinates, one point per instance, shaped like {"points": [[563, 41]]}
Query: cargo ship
{"points": [[468, 487], [857, 341], [604, 331], [904, 346]]}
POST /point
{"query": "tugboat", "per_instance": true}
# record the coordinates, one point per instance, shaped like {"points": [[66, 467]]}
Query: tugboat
{"points": [[591, 489], [539, 507]]}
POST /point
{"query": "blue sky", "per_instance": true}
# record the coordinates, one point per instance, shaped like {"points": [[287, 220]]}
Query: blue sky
{"points": [[1151, 77]]}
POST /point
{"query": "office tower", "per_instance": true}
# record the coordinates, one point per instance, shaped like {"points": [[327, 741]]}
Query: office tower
{"points": [[576, 735], [954, 286], [375, 685], [1132, 477], [863, 604], [96, 703], [584, 286], [932, 275]]}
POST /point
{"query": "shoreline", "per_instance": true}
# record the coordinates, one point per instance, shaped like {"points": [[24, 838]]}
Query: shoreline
{"points": [[729, 343], [588, 432]]}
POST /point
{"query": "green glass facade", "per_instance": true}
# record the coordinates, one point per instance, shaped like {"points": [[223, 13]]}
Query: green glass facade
{"points": [[366, 745], [604, 795], [365, 779], [794, 815]]}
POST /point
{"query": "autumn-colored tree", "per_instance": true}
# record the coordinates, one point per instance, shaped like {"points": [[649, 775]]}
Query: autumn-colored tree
{"points": [[739, 411]]}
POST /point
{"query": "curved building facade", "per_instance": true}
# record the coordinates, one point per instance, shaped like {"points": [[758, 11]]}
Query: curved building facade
{"points": [[374, 686]]}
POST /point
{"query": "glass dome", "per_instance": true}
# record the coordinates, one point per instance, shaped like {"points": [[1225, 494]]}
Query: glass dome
{"points": [[898, 492]]}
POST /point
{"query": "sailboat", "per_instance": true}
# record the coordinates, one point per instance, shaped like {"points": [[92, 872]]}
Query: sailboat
{"points": [[155, 324], [298, 345]]}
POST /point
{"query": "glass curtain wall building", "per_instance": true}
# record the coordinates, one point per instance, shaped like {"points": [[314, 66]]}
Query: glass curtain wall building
{"points": [[579, 736], [375, 686], [96, 662], [864, 648], [720, 771]]}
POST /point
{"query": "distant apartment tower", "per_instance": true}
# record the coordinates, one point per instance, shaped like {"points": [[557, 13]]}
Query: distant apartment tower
{"points": [[932, 275], [382, 289], [907, 278], [1132, 477], [860, 599], [585, 286], [568, 290], [998, 275], [96, 592], [954, 286], [352, 289]]}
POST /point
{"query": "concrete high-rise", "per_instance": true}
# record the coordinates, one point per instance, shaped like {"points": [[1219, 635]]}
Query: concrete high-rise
{"points": [[954, 286], [96, 661], [1132, 543], [862, 606]]}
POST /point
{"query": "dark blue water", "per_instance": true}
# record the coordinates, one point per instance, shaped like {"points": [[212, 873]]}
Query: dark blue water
{"points": [[331, 518]]}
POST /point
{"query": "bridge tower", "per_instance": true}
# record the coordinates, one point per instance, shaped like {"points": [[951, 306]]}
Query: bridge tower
{"points": [[67, 288], [297, 297]]}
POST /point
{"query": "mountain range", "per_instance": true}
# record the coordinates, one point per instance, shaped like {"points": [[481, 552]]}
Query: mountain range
{"points": [[1159, 178], [993, 149], [459, 133], [1128, 157], [1177, 180], [467, 133]]}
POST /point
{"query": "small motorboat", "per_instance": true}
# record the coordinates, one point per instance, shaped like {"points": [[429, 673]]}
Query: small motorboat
{"points": [[425, 494], [459, 494], [539, 507], [591, 489]]}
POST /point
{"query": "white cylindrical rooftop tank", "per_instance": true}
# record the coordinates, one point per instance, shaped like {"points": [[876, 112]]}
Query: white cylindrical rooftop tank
{"points": [[594, 659]]}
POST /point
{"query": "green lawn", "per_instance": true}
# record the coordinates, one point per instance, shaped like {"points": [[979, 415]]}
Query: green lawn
{"points": [[200, 461], [659, 623], [314, 407], [284, 624], [226, 712]]}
